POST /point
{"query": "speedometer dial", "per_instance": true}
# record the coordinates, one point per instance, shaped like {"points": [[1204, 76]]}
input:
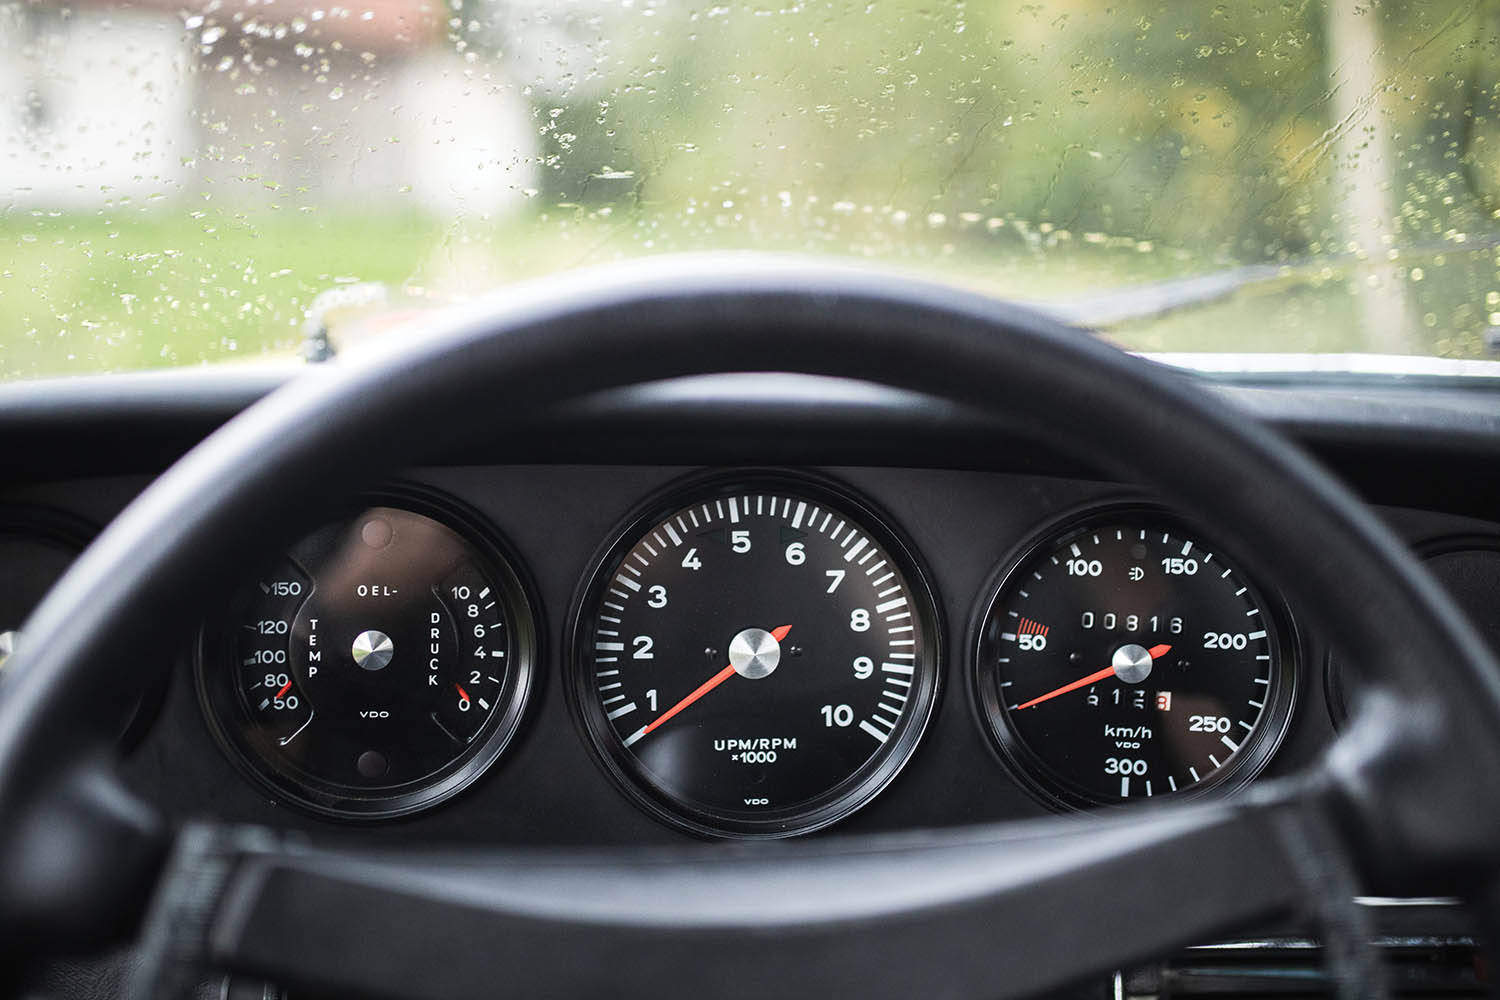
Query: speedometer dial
{"points": [[756, 658], [1128, 657]]}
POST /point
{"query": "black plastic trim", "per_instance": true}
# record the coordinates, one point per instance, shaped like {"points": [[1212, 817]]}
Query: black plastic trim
{"points": [[1396, 441]]}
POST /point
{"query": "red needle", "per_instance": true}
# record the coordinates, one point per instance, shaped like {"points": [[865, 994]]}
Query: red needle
{"points": [[1155, 652], [461, 692], [778, 634], [285, 688]]}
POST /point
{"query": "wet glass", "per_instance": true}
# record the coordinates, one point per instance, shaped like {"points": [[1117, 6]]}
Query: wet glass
{"points": [[181, 183]]}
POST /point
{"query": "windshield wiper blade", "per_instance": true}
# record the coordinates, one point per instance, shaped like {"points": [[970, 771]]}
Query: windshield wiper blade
{"points": [[1155, 299]]}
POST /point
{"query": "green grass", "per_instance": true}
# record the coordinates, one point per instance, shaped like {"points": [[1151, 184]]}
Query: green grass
{"points": [[83, 293]]}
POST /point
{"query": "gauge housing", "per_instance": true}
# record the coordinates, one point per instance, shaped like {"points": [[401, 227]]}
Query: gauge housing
{"points": [[1023, 760], [37, 545], [842, 798], [229, 715], [1467, 565]]}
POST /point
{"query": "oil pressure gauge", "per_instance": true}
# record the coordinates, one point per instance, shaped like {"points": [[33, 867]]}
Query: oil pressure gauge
{"points": [[1126, 656], [378, 667]]}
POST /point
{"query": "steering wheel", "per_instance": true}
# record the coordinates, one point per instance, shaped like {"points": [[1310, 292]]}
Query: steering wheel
{"points": [[1404, 798]]}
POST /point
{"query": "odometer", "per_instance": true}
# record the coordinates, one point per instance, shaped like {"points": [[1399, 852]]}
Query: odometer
{"points": [[756, 658], [1127, 657]]}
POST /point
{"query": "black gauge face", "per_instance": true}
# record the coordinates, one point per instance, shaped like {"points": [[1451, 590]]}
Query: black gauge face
{"points": [[378, 668], [1127, 657], [756, 658]]}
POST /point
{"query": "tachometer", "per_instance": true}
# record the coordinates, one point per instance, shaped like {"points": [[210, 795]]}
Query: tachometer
{"points": [[1127, 657], [379, 667], [756, 657]]}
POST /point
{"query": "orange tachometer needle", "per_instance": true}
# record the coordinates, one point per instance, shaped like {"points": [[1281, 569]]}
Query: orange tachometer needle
{"points": [[1093, 678], [462, 694], [778, 634]]}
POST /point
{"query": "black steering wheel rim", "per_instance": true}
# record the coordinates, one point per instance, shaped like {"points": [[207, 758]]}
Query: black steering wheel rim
{"points": [[277, 468]]}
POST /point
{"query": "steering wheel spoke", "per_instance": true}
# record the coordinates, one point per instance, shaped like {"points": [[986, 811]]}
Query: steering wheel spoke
{"points": [[983, 911]]}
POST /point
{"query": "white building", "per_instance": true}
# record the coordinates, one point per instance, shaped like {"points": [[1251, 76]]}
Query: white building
{"points": [[253, 102]]}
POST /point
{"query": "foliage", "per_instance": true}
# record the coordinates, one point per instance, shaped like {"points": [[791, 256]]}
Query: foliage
{"points": [[1045, 150]]}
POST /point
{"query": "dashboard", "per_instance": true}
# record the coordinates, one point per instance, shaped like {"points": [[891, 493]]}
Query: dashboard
{"points": [[1146, 654], [547, 520]]}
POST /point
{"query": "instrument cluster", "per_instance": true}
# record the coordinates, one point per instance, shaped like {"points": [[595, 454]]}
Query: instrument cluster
{"points": [[749, 653]]}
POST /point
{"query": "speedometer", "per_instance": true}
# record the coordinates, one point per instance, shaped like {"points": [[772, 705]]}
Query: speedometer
{"points": [[756, 657], [1126, 656]]}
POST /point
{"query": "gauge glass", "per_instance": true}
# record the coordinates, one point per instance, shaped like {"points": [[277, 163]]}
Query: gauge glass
{"points": [[1128, 657], [756, 658], [378, 668]]}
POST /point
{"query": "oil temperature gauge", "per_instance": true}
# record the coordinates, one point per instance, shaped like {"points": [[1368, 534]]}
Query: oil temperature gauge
{"points": [[378, 668]]}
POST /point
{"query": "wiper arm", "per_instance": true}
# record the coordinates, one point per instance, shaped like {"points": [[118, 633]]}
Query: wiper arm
{"points": [[1155, 299]]}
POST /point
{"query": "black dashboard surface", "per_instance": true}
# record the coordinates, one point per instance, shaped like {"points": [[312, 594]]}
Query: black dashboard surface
{"points": [[86, 447], [548, 789], [965, 494]]}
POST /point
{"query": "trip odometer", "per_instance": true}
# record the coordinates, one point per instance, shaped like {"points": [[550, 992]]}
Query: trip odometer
{"points": [[756, 657], [1126, 657]]}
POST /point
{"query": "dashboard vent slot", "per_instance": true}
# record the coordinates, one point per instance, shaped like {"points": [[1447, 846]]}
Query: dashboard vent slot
{"points": [[1439, 968]]}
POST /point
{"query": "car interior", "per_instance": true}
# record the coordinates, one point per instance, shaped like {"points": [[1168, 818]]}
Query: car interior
{"points": [[735, 619]]}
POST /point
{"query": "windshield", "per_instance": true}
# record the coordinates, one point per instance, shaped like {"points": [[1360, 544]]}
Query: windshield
{"points": [[181, 182]]}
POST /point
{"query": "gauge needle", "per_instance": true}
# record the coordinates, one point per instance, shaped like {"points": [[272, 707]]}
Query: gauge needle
{"points": [[1094, 678], [284, 689], [462, 694], [778, 633]]}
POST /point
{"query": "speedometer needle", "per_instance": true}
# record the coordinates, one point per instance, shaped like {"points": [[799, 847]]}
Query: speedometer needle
{"points": [[1155, 652], [778, 633]]}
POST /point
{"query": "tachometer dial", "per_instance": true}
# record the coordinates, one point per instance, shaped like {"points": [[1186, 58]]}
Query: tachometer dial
{"points": [[379, 667], [756, 658], [1127, 657]]}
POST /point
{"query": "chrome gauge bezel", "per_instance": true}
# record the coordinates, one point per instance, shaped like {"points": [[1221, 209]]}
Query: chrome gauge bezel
{"points": [[621, 765], [227, 719], [1032, 773]]}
